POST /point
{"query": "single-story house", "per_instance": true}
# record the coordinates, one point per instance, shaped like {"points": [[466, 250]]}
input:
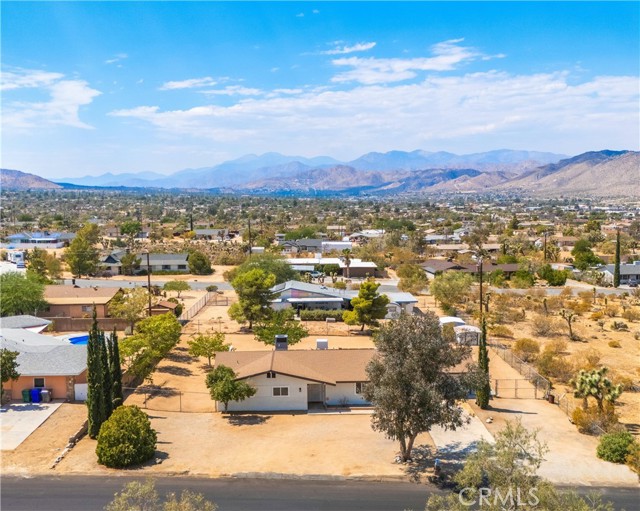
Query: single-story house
{"points": [[365, 235], [629, 273], [26, 322], [302, 295], [565, 241], [433, 267], [78, 302], [112, 262], [44, 239], [46, 362], [357, 267], [162, 307], [212, 234], [299, 379]]}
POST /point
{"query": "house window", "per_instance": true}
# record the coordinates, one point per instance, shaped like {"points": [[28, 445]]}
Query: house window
{"points": [[182, 267], [360, 386], [87, 308], [38, 383], [280, 391], [166, 266], [271, 374]]}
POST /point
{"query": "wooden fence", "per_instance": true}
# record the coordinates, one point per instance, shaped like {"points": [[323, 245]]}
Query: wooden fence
{"points": [[65, 324]]}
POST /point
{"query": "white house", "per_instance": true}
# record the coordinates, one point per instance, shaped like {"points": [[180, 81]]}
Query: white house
{"points": [[298, 380]]}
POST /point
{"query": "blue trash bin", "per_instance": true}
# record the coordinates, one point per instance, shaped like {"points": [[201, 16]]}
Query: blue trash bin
{"points": [[35, 395]]}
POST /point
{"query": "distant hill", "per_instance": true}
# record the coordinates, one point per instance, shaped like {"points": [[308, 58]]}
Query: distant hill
{"points": [[17, 180], [598, 173]]}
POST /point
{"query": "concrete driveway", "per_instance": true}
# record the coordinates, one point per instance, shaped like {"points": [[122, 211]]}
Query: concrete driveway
{"points": [[19, 420]]}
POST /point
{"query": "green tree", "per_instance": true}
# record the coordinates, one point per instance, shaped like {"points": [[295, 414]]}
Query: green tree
{"points": [[115, 370], [97, 408], [137, 496], [368, 307], [105, 369], [130, 229], [583, 256], [224, 387], [281, 322], [483, 392], [595, 384], [207, 345], [20, 294], [505, 473], [199, 263], [346, 259], [254, 296], [126, 438], [177, 285], [616, 266], [413, 279], [162, 332], [410, 383], [451, 287], [130, 263], [8, 368], [81, 254], [131, 305], [269, 263], [37, 265]]}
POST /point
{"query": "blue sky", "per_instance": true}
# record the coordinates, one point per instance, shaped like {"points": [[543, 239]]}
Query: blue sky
{"points": [[117, 87]]}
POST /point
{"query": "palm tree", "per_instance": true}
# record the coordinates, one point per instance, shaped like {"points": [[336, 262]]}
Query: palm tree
{"points": [[346, 259]]}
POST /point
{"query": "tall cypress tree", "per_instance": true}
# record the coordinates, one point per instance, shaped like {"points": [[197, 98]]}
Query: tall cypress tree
{"points": [[95, 381], [106, 378], [616, 267], [116, 371], [483, 392]]}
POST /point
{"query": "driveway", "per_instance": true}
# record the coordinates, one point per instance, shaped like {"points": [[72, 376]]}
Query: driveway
{"points": [[19, 420]]}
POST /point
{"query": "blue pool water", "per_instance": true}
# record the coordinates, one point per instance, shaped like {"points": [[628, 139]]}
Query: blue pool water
{"points": [[81, 339]]}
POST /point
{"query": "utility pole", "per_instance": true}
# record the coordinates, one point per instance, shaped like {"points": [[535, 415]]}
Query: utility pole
{"points": [[250, 242], [545, 246], [149, 282], [481, 300]]}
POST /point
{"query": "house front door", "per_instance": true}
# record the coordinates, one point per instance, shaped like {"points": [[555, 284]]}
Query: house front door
{"points": [[315, 393]]}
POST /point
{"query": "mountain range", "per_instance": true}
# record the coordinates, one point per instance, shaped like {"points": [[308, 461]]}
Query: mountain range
{"points": [[596, 173]]}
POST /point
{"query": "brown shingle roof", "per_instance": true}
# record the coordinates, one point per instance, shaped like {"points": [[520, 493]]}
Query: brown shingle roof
{"points": [[69, 295]]}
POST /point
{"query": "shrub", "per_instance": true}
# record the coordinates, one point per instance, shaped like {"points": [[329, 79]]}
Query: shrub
{"points": [[526, 349], [619, 325], [340, 285], [556, 346], [612, 310], [552, 366], [501, 331], [212, 288], [615, 447], [633, 457], [320, 315], [179, 307], [631, 315], [544, 326], [588, 359], [126, 438], [598, 315], [592, 422], [615, 344]]}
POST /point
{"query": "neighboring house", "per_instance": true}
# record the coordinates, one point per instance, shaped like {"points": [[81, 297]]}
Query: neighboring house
{"points": [[357, 267], [565, 241], [46, 362], [434, 267], [301, 295], [26, 322], [298, 380], [365, 235], [45, 239], [162, 307], [78, 302], [177, 263], [629, 273]]}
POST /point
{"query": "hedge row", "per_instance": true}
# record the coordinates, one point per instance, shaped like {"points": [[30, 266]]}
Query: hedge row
{"points": [[320, 315]]}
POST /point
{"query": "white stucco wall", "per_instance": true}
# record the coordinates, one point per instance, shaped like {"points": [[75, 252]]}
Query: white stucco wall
{"points": [[335, 395], [264, 400]]}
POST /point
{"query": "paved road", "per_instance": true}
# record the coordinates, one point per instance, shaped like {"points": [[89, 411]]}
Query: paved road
{"points": [[222, 286], [71, 493], [81, 493]]}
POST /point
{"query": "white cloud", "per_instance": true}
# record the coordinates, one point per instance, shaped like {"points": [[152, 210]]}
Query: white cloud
{"points": [[191, 83], [348, 49], [62, 108], [300, 15], [117, 58], [315, 11], [446, 56], [469, 112], [233, 90]]}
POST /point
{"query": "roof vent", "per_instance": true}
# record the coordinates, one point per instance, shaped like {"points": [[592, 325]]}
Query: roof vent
{"points": [[282, 342]]}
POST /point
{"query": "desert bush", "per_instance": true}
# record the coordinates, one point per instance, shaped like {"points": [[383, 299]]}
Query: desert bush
{"points": [[615, 447], [340, 285], [553, 366], [586, 296], [615, 344], [526, 349], [212, 288], [126, 438], [612, 310], [320, 315], [588, 359], [597, 315], [593, 422], [355, 286], [544, 326], [619, 326], [501, 331], [514, 315], [631, 315], [633, 457], [556, 346]]}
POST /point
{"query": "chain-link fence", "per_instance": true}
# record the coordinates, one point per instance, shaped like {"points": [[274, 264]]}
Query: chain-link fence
{"points": [[161, 399], [539, 382]]}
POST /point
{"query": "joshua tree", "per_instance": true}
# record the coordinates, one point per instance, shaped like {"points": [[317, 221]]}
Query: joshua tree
{"points": [[595, 384]]}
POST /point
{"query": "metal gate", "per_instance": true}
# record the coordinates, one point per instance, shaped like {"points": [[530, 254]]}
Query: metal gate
{"points": [[516, 389]]}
